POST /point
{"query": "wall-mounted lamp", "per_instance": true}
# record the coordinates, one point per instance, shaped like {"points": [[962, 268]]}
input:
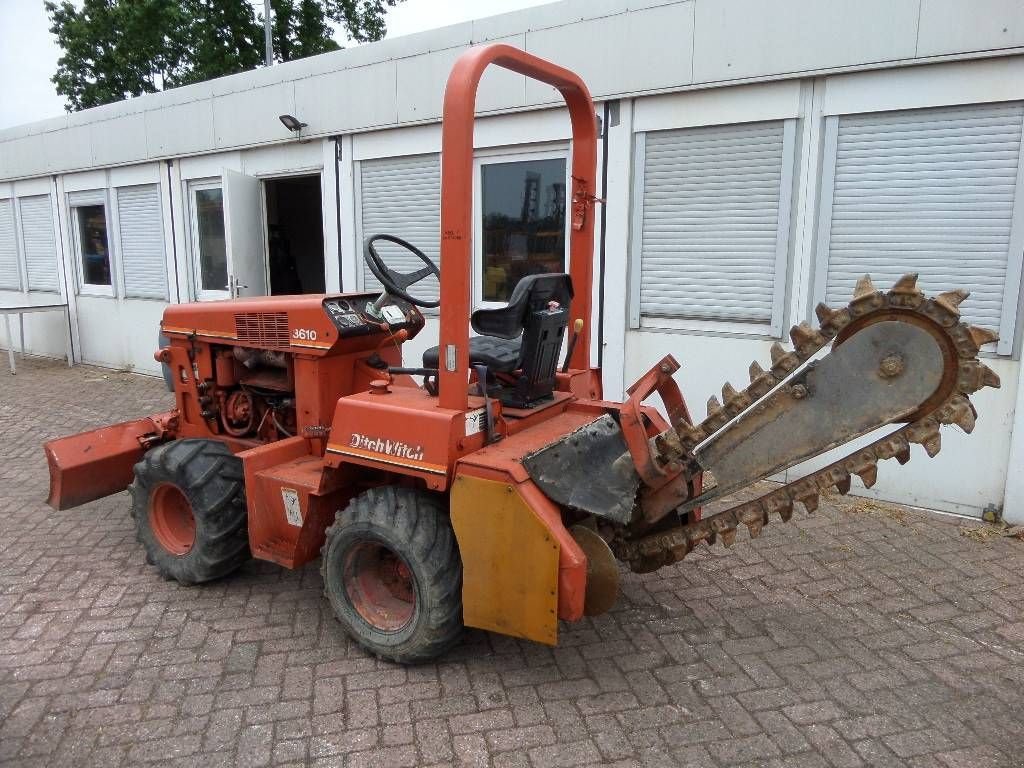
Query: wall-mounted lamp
{"points": [[292, 123]]}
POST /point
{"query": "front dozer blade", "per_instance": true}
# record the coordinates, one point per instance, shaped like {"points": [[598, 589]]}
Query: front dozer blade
{"points": [[91, 465]]}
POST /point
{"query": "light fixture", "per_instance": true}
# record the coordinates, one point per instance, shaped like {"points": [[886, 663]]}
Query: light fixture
{"points": [[292, 123]]}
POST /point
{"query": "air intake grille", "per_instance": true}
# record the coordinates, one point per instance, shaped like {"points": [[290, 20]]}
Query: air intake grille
{"points": [[266, 329]]}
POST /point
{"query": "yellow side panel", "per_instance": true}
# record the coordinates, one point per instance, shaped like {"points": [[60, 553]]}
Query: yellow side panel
{"points": [[509, 561]]}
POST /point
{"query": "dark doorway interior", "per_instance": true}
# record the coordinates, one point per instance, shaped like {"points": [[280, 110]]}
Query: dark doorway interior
{"points": [[295, 235]]}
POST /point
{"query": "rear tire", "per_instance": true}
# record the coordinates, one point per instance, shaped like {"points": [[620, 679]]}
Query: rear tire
{"points": [[393, 575], [188, 502]]}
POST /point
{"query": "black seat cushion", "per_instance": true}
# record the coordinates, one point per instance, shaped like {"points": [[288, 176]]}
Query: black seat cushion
{"points": [[499, 355]]}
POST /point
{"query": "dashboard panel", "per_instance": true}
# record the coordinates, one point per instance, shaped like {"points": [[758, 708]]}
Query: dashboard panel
{"points": [[352, 314]]}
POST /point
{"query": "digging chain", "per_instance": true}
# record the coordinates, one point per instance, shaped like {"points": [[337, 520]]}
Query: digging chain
{"points": [[962, 343]]}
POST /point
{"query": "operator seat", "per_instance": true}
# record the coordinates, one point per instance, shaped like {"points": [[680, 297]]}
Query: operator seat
{"points": [[525, 335]]}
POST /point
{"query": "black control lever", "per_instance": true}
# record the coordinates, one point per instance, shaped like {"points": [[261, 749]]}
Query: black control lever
{"points": [[429, 377]]}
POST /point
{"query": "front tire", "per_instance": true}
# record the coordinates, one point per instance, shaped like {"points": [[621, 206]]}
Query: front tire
{"points": [[393, 574], [188, 502]]}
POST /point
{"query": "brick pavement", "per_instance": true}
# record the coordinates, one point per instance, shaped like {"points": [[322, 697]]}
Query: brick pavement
{"points": [[866, 635]]}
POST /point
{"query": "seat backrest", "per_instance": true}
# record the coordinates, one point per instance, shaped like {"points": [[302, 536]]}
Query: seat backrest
{"points": [[532, 293]]}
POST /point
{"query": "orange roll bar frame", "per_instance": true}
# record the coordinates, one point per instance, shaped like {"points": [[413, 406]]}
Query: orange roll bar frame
{"points": [[457, 205]]}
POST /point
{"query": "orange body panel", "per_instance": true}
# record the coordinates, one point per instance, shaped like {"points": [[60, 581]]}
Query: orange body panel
{"points": [[291, 501]]}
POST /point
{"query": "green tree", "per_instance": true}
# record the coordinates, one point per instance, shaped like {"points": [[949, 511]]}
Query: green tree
{"points": [[116, 49]]}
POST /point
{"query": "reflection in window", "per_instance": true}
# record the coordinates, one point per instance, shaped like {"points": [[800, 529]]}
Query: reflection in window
{"points": [[523, 223], [213, 257], [92, 240]]}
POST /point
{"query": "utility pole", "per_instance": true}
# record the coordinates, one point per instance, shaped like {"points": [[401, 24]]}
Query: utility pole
{"points": [[267, 37]]}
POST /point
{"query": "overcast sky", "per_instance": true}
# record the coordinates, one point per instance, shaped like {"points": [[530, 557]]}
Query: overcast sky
{"points": [[28, 53]]}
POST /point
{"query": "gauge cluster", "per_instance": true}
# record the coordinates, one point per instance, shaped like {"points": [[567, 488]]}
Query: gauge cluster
{"points": [[354, 315]]}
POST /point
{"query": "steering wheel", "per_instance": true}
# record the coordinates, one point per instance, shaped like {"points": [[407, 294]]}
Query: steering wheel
{"points": [[394, 282]]}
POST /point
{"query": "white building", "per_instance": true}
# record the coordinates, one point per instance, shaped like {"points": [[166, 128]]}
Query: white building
{"points": [[759, 155]]}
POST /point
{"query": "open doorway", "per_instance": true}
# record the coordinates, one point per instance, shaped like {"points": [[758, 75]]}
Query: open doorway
{"points": [[295, 235]]}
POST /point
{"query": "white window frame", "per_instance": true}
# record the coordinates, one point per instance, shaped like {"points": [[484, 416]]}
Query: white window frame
{"points": [[497, 155], [82, 199], [357, 186], [19, 251], [122, 288], [1009, 321], [772, 329], [194, 263]]}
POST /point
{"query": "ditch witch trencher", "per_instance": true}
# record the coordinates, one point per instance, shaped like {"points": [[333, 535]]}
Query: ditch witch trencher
{"points": [[500, 492]]}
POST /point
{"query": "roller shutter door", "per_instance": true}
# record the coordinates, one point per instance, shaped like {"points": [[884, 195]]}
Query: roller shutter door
{"points": [[402, 197], [931, 191], [9, 275], [142, 243], [712, 229], [39, 242]]}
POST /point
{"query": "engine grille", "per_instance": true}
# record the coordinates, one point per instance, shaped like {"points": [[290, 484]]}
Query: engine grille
{"points": [[266, 329]]}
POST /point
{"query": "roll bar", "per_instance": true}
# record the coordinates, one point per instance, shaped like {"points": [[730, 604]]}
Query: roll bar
{"points": [[457, 205]]}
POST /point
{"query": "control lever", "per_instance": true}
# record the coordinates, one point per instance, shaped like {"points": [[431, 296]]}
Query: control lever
{"points": [[577, 326]]}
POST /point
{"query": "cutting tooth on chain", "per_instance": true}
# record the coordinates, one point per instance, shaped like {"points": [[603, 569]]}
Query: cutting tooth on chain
{"points": [[714, 407], [755, 524], [959, 411], [832, 321], [761, 382], [868, 475], [805, 339], [925, 433], [778, 352], [843, 485], [982, 336], [863, 288], [810, 503], [975, 375], [989, 378], [951, 300], [728, 537], [780, 503], [865, 466], [907, 284], [783, 362]]}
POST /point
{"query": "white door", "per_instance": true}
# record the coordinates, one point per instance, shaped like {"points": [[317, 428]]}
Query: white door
{"points": [[243, 224]]}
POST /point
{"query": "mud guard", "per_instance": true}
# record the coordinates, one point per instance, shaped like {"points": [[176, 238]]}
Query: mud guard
{"points": [[91, 465], [522, 570]]}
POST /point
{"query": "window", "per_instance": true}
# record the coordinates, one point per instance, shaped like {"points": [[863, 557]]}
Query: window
{"points": [[93, 245], [711, 227], [210, 243], [522, 226], [39, 243], [10, 276], [141, 243], [401, 196], [935, 191]]}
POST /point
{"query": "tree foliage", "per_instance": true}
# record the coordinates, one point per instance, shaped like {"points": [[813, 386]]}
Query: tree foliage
{"points": [[115, 49]]}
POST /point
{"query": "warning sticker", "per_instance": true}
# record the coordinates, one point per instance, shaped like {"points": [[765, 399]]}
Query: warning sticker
{"points": [[292, 510], [476, 421]]}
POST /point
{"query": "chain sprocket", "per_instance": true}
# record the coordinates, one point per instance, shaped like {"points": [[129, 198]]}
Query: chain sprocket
{"points": [[950, 404]]}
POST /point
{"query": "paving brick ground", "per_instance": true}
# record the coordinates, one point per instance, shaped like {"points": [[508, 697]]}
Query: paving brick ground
{"points": [[866, 635]]}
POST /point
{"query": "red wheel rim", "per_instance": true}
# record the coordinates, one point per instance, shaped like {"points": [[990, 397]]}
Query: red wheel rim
{"points": [[171, 518], [380, 586]]}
